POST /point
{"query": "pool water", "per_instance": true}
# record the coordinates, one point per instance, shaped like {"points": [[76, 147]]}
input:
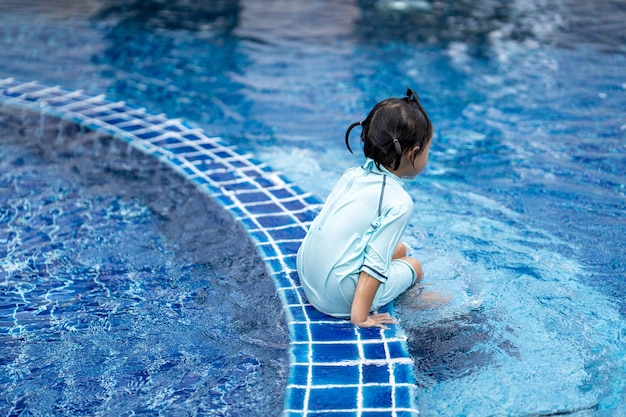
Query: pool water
{"points": [[519, 216]]}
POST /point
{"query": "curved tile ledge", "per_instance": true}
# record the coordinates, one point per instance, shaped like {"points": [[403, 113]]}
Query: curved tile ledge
{"points": [[335, 368]]}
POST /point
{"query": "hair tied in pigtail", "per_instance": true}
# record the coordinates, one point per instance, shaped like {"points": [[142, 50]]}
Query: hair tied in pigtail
{"points": [[353, 125], [396, 143], [412, 96]]}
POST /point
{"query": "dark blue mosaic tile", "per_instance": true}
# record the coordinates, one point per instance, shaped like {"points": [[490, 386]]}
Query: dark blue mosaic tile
{"points": [[195, 137], [374, 396], [259, 236], [300, 331], [174, 128], [241, 186], [248, 224], [315, 315], [295, 397], [300, 372], [297, 313], [294, 205], [268, 250], [369, 333], [132, 127], [396, 350], [335, 374], [312, 200], [290, 260], [180, 150], [335, 352], [208, 146], [306, 216], [224, 176], [290, 295], [289, 248], [282, 193], [381, 413], [225, 200], [274, 221], [290, 232], [403, 373], [274, 265], [149, 135], [253, 197], [329, 333], [373, 373], [404, 398], [241, 164], [264, 208], [224, 153], [341, 398], [374, 351], [264, 182]]}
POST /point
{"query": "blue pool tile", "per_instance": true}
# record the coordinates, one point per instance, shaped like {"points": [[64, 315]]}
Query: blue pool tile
{"points": [[396, 350], [297, 313], [259, 236], [374, 396], [264, 208], [290, 260], [180, 150], [289, 247], [300, 331], [223, 176], [403, 373], [290, 295], [341, 398], [404, 397], [300, 373], [275, 221], [335, 352], [374, 351], [295, 397], [282, 193], [132, 127], [268, 250], [315, 315], [340, 331], [373, 373], [254, 197], [291, 232], [166, 140], [241, 186], [335, 374], [149, 135], [294, 205]]}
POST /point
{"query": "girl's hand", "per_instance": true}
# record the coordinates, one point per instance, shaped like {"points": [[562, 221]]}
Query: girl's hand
{"points": [[377, 320]]}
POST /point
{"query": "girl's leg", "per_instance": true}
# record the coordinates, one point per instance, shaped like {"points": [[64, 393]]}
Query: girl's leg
{"points": [[400, 251]]}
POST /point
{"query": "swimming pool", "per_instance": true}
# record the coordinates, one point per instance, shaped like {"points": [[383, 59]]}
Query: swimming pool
{"points": [[520, 215]]}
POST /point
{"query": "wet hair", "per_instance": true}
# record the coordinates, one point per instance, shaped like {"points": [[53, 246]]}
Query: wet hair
{"points": [[392, 128]]}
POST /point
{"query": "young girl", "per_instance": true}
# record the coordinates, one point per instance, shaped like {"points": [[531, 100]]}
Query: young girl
{"points": [[351, 261]]}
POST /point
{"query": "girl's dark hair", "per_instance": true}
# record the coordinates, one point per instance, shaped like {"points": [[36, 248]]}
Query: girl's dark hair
{"points": [[393, 127]]}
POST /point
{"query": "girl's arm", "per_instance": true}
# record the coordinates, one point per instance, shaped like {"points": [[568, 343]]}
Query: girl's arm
{"points": [[362, 303]]}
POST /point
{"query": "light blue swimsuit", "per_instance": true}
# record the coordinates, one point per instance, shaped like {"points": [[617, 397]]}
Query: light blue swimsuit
{"points": [[357, 230]]}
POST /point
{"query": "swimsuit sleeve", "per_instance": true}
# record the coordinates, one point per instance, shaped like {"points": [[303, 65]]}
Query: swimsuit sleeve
{"points": [[386, 232]]}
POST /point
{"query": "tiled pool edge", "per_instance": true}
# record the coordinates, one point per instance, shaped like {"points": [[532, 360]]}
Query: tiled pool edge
{"points": [[335, 368]]}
